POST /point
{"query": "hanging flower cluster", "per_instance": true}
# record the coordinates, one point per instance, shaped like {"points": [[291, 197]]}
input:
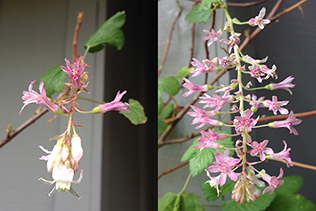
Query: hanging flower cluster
{"points": [[239, 169], [64, 160]]}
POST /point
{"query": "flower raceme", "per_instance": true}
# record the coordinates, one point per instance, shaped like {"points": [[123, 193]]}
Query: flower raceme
{"points": [[245, 115]]}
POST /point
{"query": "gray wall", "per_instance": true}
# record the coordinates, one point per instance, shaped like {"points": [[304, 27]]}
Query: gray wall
{"points": [[34, 36]]}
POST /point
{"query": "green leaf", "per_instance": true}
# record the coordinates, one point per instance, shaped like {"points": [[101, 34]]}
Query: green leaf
{"points": [[166, 203], [165, 114], [171, 202], [210, 192], [198, 14], [159, 102], [260, 204], [137, 115], [199, 161], [169, 84], [287, 197], [53, 80], [110, 32], [191, 200], [183, 72]]}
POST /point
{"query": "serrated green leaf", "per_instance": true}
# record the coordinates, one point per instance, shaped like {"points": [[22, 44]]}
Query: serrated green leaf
{"points": [[169, 84], [165, 114], [53, 80], [287, 197], [198, 14], [199, 161], [166, 203], [110, 32], [260, 204], [137, 115], [191, 200], [183, 72], [207, 3]]}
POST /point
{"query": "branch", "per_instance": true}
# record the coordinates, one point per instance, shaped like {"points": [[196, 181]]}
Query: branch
{"points": [[61, 96], [173, 169], [168, 41]]}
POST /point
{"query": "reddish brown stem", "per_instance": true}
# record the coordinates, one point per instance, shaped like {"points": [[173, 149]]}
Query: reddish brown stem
{"points": [[173, 169], [168, 42]]}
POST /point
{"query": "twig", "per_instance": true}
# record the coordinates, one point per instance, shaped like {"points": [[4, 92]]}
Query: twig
{"points": [[192, 45], [74, 43], [173, 169], [297, 5], [168, 42], [245, 4], [61, 96], [306, 166]]}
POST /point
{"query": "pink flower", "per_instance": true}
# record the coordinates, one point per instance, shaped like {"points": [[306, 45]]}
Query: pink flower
{"points": [[216, 101], [255, 72], [272, 181], [206, 120], [76, 148], [245, 122], [285, 84], [269, 72], [63, 177], [284, 155], [228, 61], [33, 97], [258, 20], [275, 106], [208, 138], [288, 123], [249, 59], [116, 105], [256, 103], [198, 114], [260, 149], [75, 72], [207, 67], [214, 182], [233, 41], [224, 165], [193, 88], [211, 36]]}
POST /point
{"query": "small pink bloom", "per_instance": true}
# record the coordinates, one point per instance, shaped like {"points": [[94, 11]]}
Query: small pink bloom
{"points": [[228, 61], [256, 103], [214, 182], [208, 138], [255, 72], [193, 88], [116, 105], [249, 59], [232, 41], [272, 181], [288, 123], [285, 84], [207, 67], [198, 114], [76, 148], [284, 155], [224, 165], [208, 121], [75, 72], [245, 122], [33, 97], [269, 72], [275, 106], [258, 20], [211, 36], [216, 101], [260, 149]]}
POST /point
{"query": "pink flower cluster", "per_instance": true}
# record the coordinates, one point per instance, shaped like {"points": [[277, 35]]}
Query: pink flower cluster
{"points": [[238, 168]]}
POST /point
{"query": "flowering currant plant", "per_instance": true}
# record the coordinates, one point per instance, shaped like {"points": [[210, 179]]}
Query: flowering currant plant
{"points": [[64, 159], [231, 165]]}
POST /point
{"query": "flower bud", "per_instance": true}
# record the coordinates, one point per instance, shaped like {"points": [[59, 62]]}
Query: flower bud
{"points": [[76, 148]]}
